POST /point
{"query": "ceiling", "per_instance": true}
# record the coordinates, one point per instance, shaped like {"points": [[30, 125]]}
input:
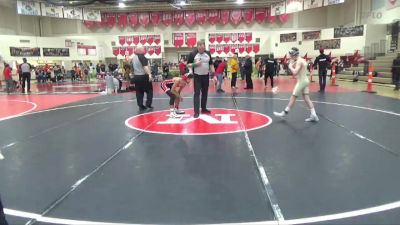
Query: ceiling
{"points": [[161, 5]]}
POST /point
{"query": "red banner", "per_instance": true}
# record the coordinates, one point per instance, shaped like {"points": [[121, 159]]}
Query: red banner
{"points": [[104, 20], [178, 39], [234, 37], [122, 20], [150, 39], [249, 37], [155, 18], [212, 49], [190, 18], [89, 24], [122, 51], [249, 48], [130, 50], [248, 15], [219, 37], [219, 48], [284, 18], [143, 39], [256, 48], [191, 39], [270, 18], [227, 48], [201, 17], [227, 37], [167, 18], [211, 38], [122, 40], [241, 48], [157, 39], [144, 19], [129, 40], [158, 50], [236, 16], [116, 51], [234, 48], [150, 50], [111, 20], [241, 37], [213, 16], [133, 19], [146, 49], [261, 14], [136, 39], [224, 14], [178, 18]]}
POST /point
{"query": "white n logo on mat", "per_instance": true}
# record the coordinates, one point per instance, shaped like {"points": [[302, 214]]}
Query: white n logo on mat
{"points": [[186, 119]]}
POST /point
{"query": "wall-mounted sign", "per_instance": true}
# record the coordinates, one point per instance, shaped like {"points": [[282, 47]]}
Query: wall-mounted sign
{"points": [[28, 8]]}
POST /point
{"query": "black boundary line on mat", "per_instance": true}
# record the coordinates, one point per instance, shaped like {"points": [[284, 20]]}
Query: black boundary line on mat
{"points": [[59, 200], [270, 195], [358, 135]]}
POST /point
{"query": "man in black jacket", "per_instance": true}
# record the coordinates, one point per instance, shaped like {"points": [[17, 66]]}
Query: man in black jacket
{"points": [[248, 71], [396, 73], [323, 62], [270, 70], [201, 65]]}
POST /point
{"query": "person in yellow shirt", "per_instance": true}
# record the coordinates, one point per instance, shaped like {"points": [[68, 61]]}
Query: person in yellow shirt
{"points": [[234, 66]]}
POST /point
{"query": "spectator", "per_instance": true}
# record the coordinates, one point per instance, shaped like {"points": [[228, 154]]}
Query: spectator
{"points": [[234, 65], [166, 70], [248, 71], [182, 67], [219, 73], [8, 78]]}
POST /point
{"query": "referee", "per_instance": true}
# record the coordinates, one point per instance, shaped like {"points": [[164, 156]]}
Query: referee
{"points": [[200, 62], [322, 61]]}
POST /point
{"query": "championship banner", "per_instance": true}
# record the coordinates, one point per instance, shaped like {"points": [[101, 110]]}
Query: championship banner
{"points": [[28, 8], [143, 39], [51, 10], [73, 13], [241, 37], [332, 2], [224, 16], [261, 14], [311, 4], [123, 51], [178, 39], [191, 39], [348, 31], [219, 49], [190, 18], [311, 35], [56, 52], [24, 52], [150, 50], [248, 37], [150, 39], [248, 15], [92, 15], [133, 19], [241, 48], [116, 51], [144, 19], [130, 50], [291, 37], [327, 44], [157, 39], [167, 18], [227, 37], [236, 16], [249, 48], [227, 48], [201, 17], [155, 18], [278, 9], [293, 6], [213, 16], [89, 50], [136, 39], [211, 38], [256, 48], [219, 37], [234, 37], [122, 40], [391, 4], [178, 18], [111, 20], [212, 49], [129, 40], [157, 50], [234, 48]]}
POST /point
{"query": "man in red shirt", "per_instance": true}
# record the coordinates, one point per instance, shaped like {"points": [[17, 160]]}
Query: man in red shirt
{"points": [[182, 67], [219, 73], [8, 77]]}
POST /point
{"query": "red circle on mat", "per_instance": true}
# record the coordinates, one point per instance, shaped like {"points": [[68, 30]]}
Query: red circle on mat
{"points": [[220, 121], [11, 108]]}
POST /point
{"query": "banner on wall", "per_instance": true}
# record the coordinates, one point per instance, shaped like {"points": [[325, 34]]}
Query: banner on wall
{"points": [[332, 2], [348, 31], [28, 8], [291, 37], [178, 39], [24, 52], [60, 52], [191, 39], [88, 50], [311, 4], [278, 9], [51, 10], [73, 13], [394, 43], [391, 4], [261, 14], [311, 35], [293, 6], [94, 15], [327, 44]]}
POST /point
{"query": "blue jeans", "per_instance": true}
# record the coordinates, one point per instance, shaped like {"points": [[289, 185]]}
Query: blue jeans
{"points": [[220, 78]]}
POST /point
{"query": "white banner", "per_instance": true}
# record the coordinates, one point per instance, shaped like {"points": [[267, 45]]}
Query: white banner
{"points": [[278, 9], [390, 4], [51, 10], [73, 13], [332, 2], [293, 6], [311, 4], [91, 15], [28, 8]]}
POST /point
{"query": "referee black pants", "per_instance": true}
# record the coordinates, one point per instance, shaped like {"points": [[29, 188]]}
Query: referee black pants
{"points": [[201, 83], [143, 85]]}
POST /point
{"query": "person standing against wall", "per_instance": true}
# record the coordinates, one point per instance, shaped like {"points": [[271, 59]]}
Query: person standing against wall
{"points": [[142, 78], [201, 64], [26, 75], [234, 65], [248, 71], [396, 72], [323, 62]]}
